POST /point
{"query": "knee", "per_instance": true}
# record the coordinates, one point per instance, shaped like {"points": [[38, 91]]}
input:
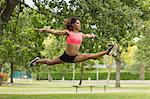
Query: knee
{"points": [[49, 63]]}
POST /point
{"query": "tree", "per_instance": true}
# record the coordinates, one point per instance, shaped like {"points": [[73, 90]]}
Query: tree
{"points": [[108, 61], [142, 56], [128, 56], [7, 8], [19, 43], [114, 21], [53, 48]]}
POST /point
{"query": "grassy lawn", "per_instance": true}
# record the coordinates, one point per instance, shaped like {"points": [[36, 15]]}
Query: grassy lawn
{"points": [[64, 87], [81, 96], [26, 89]]}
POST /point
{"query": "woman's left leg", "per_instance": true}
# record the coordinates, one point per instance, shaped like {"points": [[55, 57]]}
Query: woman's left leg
{"points": [[84, 57]]}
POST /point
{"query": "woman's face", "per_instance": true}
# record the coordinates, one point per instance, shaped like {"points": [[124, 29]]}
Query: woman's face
{"points": [[77, 25]]}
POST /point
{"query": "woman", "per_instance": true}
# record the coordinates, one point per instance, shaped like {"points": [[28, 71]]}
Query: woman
{"points": [[74, 40]]}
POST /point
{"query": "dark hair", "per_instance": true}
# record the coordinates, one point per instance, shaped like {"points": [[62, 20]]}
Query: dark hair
{"points": [[69, 23]]}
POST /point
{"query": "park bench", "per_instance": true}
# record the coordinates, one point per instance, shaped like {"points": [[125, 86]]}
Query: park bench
{"points": [[91, 87]]}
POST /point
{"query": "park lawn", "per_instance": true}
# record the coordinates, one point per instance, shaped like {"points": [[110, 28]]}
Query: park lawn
{"points": [[124, 95]]}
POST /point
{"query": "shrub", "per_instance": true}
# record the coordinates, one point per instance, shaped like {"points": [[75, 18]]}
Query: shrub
{"points": [[92, 75], [3, 77]]}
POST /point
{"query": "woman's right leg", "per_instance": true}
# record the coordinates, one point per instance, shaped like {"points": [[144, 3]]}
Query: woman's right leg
{"points": [[49, 61], [84, 57]]}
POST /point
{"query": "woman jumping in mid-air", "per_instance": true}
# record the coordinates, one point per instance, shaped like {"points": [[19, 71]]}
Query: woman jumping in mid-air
{"points": [[73, 40]]}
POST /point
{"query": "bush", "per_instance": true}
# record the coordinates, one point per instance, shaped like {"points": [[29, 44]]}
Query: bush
{"points": [[92, 75], [3, 78]]}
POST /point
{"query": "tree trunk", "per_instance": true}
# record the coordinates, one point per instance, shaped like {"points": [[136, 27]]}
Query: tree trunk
{"points": [[0, 72], [6, 13], [74, 72], [109, 72], [63, 73], [0, 68], [37, 76], [12, 71], [49, 77], [81, 76], [142, 72], [118, 65], [11, 4], [1, 25]]}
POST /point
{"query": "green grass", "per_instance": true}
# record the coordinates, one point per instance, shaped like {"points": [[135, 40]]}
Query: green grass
{"points": [[26, 89], [81, 96]]}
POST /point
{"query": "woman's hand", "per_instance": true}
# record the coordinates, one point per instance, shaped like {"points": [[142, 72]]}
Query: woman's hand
{"points": [[93, 35]]}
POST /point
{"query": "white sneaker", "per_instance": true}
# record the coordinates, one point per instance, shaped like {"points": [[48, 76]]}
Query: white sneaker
{"points": [[109, 49], [114, 50], [33, 62]]}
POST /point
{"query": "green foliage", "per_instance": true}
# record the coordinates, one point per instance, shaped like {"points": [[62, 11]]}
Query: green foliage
{"points": [[19, 43], [53, 47], [2, 3], [129, 56], [114, 20], [142, 56], [92, 75]]}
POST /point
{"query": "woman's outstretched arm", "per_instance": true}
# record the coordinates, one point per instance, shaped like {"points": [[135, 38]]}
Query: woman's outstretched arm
{"points": [[52, 31]]}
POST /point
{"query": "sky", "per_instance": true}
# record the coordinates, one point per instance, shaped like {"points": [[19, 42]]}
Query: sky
{"points": [[31, 4]]}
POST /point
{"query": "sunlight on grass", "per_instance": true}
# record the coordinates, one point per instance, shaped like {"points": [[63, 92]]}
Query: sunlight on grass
{"points": [[80, 96], [65, 87]]}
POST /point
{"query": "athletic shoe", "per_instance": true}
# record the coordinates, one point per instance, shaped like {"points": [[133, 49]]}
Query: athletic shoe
{"points": [[109, 49], [33, 62], [113, 50]]}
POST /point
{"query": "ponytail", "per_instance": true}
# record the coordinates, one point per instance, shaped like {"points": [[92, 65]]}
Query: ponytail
{"points": [[69, 23]]}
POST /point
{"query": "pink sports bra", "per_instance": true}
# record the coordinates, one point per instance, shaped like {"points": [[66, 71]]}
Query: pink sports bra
{"points": [[74, 38]]}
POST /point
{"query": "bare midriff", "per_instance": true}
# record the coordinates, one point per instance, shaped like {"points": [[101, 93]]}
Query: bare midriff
{"points": [[72, 49]]}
